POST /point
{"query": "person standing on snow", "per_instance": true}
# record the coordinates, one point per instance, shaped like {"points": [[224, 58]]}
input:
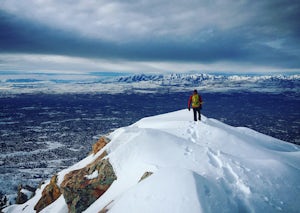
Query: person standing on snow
{"points": [[196, 101]]}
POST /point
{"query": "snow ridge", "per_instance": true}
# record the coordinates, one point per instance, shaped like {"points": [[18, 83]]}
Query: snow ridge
{"points": [[205, 166]]}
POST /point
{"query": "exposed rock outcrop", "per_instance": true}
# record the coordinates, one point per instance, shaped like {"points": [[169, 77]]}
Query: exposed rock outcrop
{"points": [[145, 175], [82, 187], [100, 144], [50, 193], [3, 201], [106, 208], [79, 188], [24, 193]]}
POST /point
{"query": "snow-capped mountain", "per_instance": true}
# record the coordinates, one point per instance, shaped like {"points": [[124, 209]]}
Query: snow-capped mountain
{"points": [[94, 82], [168, 163], [196, 78], [211, 82]]}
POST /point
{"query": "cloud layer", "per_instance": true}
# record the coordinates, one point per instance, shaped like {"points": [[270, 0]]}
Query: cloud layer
{"points": [[245, 33]]}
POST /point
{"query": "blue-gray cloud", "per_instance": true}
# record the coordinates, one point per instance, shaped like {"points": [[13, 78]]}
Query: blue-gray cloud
{"points": [[264, 33]]}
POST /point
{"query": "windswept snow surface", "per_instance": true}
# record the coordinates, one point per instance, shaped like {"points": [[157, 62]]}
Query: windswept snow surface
{"points": [[205, 166]]}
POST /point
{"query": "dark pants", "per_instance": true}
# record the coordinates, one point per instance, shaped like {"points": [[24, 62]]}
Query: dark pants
{"points": [[195, 110]]}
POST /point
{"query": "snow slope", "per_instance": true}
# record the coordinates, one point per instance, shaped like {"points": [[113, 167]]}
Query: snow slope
{"points": [[204, 166]]}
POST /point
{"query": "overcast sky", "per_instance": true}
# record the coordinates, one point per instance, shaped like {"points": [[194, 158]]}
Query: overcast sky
{"points": [[150, 35]]}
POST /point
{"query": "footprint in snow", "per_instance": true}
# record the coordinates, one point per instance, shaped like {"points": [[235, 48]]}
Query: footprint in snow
{"points": [[214, 159], [192, 134], [230, 176], [188, 150], [233, 178]]}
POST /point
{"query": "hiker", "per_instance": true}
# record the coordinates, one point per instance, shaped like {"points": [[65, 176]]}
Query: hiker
{"points": [[196, 101]]}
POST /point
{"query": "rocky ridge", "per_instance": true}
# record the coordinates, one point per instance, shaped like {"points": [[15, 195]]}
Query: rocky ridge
{"points": [[79, 187]]}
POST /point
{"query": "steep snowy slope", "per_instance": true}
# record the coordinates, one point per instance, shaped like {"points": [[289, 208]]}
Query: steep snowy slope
{"points": [[204, 166]]}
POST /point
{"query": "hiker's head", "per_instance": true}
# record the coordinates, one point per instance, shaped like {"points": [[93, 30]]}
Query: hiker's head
{"points": [[195, 91]]}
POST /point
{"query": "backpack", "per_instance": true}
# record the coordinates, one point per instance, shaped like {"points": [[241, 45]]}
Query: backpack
{"points": [[196, 100]]}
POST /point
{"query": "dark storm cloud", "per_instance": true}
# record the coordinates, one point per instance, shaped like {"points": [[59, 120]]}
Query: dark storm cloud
{"points": [[23, 36], [282, 16], [264, 33]]}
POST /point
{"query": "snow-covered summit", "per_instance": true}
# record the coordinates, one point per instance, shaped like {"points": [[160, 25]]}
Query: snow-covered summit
{"points": [[190, 166]]}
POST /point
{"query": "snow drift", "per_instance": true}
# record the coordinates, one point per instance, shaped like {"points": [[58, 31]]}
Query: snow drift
{"points": [[204, 166]]}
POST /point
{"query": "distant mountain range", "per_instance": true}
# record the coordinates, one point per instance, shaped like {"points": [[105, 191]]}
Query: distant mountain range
{"points": [[196, 78], [209, 82], [93, 82]]}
